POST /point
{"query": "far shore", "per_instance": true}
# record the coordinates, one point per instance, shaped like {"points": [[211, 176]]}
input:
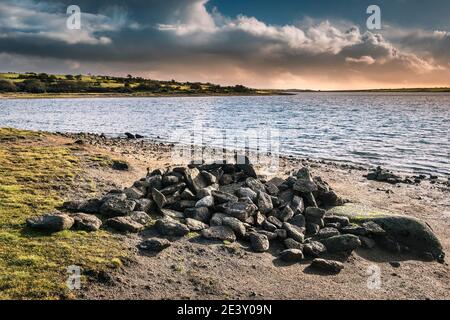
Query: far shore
{"points": [[134, 95]]}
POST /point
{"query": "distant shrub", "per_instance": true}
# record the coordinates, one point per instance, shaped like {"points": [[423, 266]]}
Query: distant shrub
{"points": [[7, 86], [34, 86]]}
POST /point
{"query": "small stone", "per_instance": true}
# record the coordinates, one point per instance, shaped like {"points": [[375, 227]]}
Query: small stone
{"points": [[171, 227], [133, 193], [86, 222], [312, 228], [207, 202], [298, 220], [223, 197], [117, 206], [270, 235], [292, 244], [259, 242], [268, 226], [217, 219], [271, 189], [327, 265], [346, 242], [143, 205], [159, 198], [327, 233], [395, 264], [154, 244], [140, 217], [255, 184], [195, 225], [236, 225], [277, 223], [297, 205], [264, 202], [240, 210], [281, 234], [124, 224], [294, 232], [209, 178], [222, 233], [202, 214], [172, 214], [286, 214], [247, 192], [52, 222], [343, 221], [315, 215], [314, 249], [291, 255], [187, 195]]}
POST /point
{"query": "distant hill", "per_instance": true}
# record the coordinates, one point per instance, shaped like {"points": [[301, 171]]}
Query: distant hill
{"points": [[43, 83]]}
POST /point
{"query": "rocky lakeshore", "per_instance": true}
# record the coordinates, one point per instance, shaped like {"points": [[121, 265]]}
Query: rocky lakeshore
{"points": [[230, 230]]}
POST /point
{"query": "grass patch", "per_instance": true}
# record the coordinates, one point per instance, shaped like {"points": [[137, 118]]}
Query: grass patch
{"points": [[33, 265]]}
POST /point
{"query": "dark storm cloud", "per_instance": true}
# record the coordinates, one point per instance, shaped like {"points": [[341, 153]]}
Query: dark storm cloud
{"points": [[182, 39]]}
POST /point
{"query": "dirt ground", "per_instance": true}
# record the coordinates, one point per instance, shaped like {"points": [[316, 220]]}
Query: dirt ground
{"points": [[193, 268]]}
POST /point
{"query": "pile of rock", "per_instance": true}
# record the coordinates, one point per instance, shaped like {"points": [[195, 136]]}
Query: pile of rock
{"points": [[226, 202]]}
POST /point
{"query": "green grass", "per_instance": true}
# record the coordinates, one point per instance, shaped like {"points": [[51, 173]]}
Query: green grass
{"points": [[33, 265]]}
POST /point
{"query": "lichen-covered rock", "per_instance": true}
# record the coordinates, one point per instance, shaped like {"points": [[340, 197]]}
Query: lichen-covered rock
{"points": [[314, 249], [407, 231]]}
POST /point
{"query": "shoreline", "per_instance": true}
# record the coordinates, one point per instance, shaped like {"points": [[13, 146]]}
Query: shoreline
{"points": [[284, 158], [26, 96]]}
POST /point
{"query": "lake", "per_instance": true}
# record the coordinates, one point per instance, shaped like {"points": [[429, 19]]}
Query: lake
{"points": [[407, 132]]}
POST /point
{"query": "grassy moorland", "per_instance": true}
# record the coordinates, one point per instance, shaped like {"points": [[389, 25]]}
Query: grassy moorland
{"points": [[31, 85], [35, 174]]}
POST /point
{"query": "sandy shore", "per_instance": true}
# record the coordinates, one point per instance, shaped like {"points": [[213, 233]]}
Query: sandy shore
{"points": [[189, 270], [192, 270]]}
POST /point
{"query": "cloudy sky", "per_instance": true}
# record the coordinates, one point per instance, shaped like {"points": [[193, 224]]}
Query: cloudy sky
{"points": [[313, 44]]}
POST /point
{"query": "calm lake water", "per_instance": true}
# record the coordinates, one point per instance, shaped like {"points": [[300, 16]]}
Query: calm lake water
{"points": [[404, 132]]}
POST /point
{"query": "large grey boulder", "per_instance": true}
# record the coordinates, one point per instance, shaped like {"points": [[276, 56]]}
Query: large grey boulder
{"points": [[408, 231], [52, 222]]}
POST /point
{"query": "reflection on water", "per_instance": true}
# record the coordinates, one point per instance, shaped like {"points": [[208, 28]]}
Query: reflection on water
{"points": [[405, 132]]}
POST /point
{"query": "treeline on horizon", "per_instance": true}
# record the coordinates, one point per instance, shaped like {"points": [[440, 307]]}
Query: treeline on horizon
{"points": [[36, 83]]}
